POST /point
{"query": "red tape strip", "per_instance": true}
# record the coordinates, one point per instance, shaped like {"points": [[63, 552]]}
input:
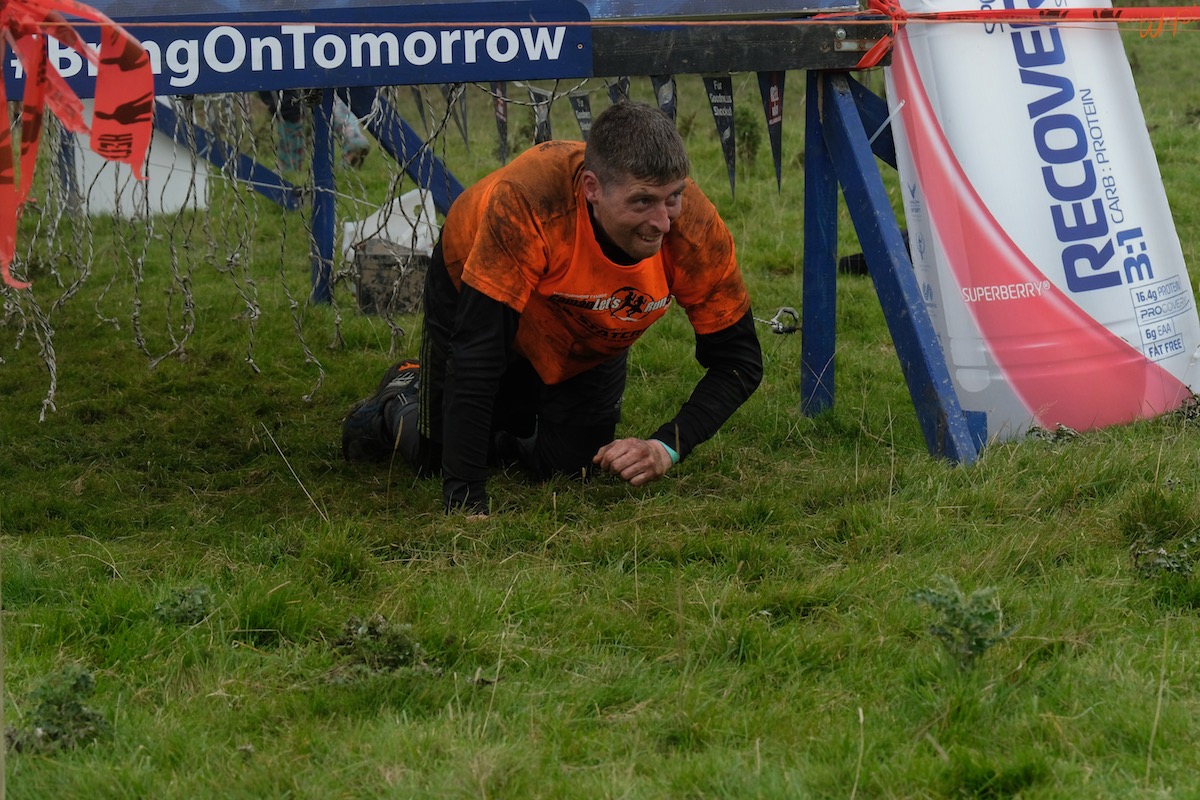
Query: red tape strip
{"points": [[122, 120], [1016, 16]]}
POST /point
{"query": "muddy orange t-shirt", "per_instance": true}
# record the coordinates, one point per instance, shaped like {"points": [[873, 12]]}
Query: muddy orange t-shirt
{"points": [[523, 237]]}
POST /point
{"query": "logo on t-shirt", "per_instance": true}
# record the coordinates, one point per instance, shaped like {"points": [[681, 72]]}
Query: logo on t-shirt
{"points": [[628, 304]]}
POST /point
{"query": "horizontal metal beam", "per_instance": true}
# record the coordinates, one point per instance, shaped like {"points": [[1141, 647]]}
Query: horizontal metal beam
{"points": [[668, 49]]}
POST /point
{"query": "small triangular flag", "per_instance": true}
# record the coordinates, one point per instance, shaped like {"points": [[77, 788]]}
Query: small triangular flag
{"points": [[581, 104], [618, 92], [455, 102], [500, 104], [419, 99], [664, 93], [720, 98], [541, 114], [771, 86]]}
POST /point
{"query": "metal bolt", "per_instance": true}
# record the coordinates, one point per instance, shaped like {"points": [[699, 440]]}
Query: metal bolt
{"points": [[840, 34]]}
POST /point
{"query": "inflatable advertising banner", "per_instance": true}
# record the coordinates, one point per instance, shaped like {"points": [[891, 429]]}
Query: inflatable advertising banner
{"points": [[1038, 224]]}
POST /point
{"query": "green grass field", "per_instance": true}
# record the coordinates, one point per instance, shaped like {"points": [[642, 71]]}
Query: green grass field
{"points": [[202, 600]]}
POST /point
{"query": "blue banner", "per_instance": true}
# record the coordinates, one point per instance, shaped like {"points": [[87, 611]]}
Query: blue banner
{"points": [[236, 51], [121, 10]]}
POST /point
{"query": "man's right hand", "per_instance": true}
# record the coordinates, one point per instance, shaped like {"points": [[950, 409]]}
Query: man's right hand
{"points": [[636, 461]]}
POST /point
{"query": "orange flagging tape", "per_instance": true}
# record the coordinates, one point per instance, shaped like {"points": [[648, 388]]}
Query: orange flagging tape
{"points": [[1018, 16], [122, 120]]}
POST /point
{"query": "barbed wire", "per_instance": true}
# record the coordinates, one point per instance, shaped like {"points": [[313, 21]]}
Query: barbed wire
{"points": [[231, 239]]}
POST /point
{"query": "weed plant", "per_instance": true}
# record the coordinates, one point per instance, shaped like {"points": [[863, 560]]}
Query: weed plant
{"points": [[968, 624], [58, 717], [743, 628]]}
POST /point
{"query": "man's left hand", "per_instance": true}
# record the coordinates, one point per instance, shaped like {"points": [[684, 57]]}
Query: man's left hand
{"points": [[638, 461]]}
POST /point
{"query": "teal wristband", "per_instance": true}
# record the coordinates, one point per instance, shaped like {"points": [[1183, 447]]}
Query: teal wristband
{"points": [[670, 451]]}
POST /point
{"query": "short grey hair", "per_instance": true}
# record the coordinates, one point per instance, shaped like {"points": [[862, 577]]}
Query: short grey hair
{"points": [[635, 140]]}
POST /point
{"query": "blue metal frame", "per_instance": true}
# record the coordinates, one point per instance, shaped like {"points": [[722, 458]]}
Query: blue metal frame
{"points": [[819, 301], [839, 114], [403, 144], [226, 158], [398, 139], [395, 136], [837, 151], [324, 211]]}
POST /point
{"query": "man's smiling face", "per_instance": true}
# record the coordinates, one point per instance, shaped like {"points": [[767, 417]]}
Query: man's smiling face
{"points": [[635, 214]]}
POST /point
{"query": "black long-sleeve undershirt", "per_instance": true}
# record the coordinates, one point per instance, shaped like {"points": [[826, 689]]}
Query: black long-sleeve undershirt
{"points": [[480, 347], [733, 360]]}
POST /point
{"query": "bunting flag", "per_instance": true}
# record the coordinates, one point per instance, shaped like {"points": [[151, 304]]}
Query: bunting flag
{"points": [[500, 105], [540, 98], [122, 120], [770, 84], [419, 98], [457, 108], [618, 92], [541, 113], [720, 98], [581, 104], [664, 93]]}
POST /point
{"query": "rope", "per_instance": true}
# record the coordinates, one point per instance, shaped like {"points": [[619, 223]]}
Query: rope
{"points": [[1145, 17]]}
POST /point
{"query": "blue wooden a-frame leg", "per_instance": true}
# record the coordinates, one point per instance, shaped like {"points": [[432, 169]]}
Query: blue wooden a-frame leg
{"points": [[224, 156], [324, 213], [818, 300], [399, 140], [913, 335]]}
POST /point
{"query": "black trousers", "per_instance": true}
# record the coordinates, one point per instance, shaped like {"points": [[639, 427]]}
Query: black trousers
{"points": [[548, 428]]}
